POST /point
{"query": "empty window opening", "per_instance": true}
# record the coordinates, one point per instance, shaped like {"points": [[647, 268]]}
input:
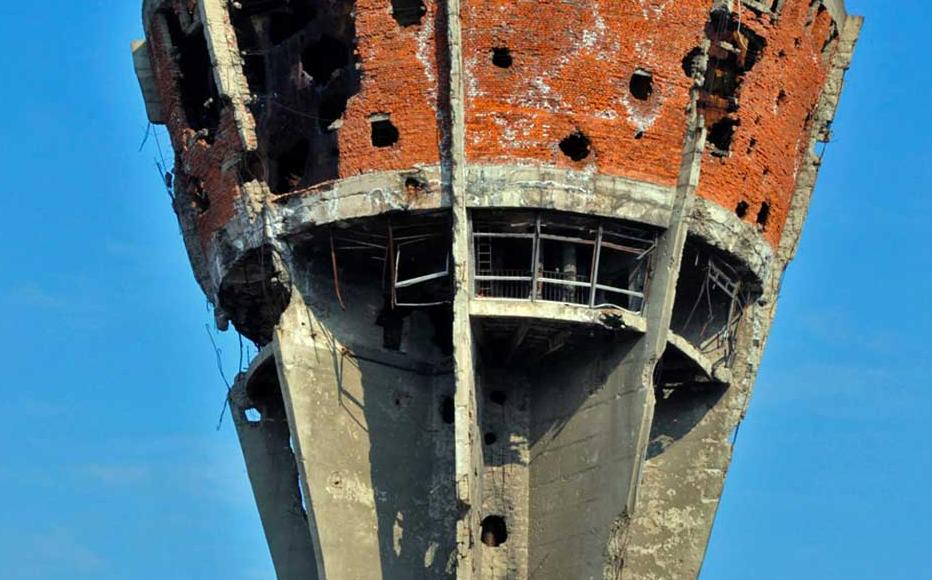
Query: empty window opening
{"points": [[332, 107], [251, 167], [323, 57], [447, 410], [501, 57], [763, 215], [408, 12], [199, 95], [498, 397], [576, 146], [494, 531], [490, 438], [710, 299], [253, 415], [285, 23], [291, 167], [721, 135], [741, 210], [384, 133], [641, 85], [558, 258]]}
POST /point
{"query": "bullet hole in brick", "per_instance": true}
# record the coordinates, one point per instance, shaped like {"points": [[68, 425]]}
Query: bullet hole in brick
{"points": [[763, 216], [291, 166], [494, 531], [498, 397], [408, 12], [691, 62], [323, 57], [447, 410], [741, 210], [766, 171], [576, 146], [721, 135], [490, 438], [781, 54], [639, 135], [752, 145], [253, 415], [797, 42], [775, 7], [781, 97], [641, 85], [384, 133], [501, 57], [200, 98]]}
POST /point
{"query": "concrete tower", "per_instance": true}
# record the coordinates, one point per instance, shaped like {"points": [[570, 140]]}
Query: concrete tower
{"points": [[511, 263]]}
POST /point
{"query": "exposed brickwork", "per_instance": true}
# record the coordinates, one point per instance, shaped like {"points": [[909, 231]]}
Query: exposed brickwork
{"points": [[572, 68], [199, 165], [765, 170], [399, 77]]}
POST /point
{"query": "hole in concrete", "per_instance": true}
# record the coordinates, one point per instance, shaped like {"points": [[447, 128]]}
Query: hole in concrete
{"points": [[576, 146], [323, 57], [408, 12], [494, 531], [384, 133], [501, 57], [741, 210], [763, 215], [253, 415], [290, 167], [641, 85], [721, 135], [490, 438], [498, 397], [254, 293], [447, 410]]}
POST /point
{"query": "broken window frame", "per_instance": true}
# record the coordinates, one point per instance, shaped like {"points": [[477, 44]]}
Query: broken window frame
{"points": [[616, 237], [410, 282], [719, 274]]}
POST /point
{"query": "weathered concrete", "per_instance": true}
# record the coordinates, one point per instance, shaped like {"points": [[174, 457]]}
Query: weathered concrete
{"points": [[465, 433]]}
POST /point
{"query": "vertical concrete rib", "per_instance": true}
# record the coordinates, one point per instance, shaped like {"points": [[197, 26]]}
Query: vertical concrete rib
{"points": [[273, 473], [468, 453], [682, 486], [227, 66]]}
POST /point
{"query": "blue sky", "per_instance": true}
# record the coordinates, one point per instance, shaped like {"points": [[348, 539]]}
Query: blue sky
{"points": [[111, 464]]}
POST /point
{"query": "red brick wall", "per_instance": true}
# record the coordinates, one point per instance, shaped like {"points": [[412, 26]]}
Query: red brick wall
{"points": [[792, 62], [573, 62], [399, 77], [199, 161]]}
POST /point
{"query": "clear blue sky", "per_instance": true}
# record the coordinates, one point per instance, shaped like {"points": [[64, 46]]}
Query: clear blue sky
{"points": [[110, 464]]}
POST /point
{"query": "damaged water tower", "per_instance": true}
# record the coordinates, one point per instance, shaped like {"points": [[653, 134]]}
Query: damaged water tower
{"points": [[511, 264]]}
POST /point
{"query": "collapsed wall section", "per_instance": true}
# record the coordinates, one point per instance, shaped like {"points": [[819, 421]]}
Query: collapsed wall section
{"points": [[765, 74]]}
